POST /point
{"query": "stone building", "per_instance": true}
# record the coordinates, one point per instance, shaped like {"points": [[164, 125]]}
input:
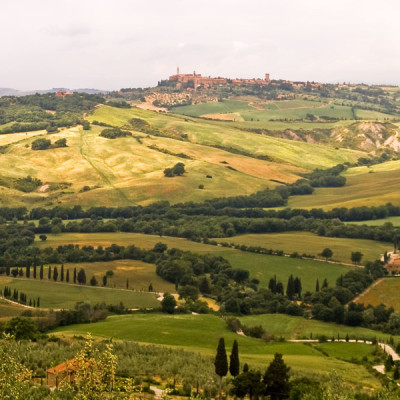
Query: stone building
{"points": [[207, 81], [64, 372]]}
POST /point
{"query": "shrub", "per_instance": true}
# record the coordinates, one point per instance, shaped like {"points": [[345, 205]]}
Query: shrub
{"points": [[41, 144]]}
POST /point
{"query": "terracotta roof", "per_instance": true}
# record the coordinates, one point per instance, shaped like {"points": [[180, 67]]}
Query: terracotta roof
{"points": [[69, 365]]}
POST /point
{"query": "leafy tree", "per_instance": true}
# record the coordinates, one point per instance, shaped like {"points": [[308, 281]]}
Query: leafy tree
{"points": [[221, 363], [41, 144], [95, 372], [60, 142], [21, 328], [168, 303], [248, 382], [81, 277], [327, 253], [14, 376], [178, 169], [356, 257], [276, 378], [234, 365]]}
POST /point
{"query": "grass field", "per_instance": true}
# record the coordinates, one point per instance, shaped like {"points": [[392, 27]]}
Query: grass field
{"points": [[129, 171], [290, 327], [290, 109], [305, 242], [64, 295], [9, 310], [300, 154], [386, 291], [365, 186], [378, 222], [188, 331], [260, 266]]}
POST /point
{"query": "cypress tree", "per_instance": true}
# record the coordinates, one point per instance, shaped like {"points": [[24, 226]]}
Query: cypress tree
{"points": [[67, 276], [317, 286], [62, 273], [325, 284], [34, 271], [105, 280], [21, 272], [279, 288], [41, 272], [221, 363], [38, 302], [8, 270], [290, 291], [297, 287], [127, 283], [234, 360], [49, 273], [55, 274], [28, 272], [272, 284], [74, 275]]}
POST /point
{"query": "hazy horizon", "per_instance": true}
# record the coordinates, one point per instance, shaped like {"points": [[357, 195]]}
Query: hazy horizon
{"points": [[108, 46]]}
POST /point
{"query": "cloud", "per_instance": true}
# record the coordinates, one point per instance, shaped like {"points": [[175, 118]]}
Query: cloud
{"points": [[124, 43]]}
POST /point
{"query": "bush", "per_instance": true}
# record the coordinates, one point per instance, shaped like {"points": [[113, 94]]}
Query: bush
{"points": [[113, 133], [41, 144], [60, 143]]}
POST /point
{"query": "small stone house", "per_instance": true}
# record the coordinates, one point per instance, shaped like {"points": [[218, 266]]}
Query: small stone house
{"points": [[64, 372]]}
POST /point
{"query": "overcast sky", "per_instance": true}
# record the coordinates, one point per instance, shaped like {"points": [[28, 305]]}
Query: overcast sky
{"points": [[109, 44]]}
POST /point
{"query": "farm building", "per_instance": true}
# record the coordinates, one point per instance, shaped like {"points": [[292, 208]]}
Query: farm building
{"points": [[64, 372]]}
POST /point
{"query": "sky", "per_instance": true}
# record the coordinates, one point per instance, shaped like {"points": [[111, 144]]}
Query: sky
{"points": [[113, 44]]}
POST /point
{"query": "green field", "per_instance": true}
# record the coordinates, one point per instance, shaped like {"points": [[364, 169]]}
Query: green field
{"points": [[209, 133], [265, 111], [139, 274], [188, 331], [9, 310], [262, 267], [290, 327], [378, 222], [64, 295], [386, 291], [309, 243], [365, 186]]}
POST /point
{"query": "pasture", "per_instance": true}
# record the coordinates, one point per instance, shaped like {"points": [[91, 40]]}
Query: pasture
{"points": [[266, 111], [260, 266], [309, 243], [65, 295], [200, 333], [8, 309], [385, 291], [365, 186], [214, 133], [378, 222], [292, 328]]}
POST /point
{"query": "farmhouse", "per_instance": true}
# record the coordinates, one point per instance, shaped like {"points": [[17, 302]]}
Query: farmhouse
{"points": [[64, 372]]}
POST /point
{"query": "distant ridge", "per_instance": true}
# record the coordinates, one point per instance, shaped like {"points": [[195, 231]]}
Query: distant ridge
{"points": [[15, 92]]}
